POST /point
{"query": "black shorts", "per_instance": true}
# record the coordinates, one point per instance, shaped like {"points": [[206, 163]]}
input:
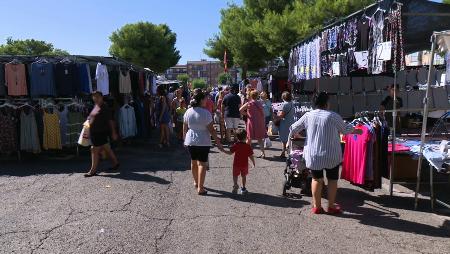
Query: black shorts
{"points": [[199, 153], [99, 138], [332, 173]]}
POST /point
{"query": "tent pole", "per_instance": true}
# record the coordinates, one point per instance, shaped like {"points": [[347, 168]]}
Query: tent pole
{"points": [[394, 127], [424, 121]]}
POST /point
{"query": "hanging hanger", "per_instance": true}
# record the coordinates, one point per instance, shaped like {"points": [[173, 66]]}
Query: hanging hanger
{"points": [[15, 61], [66, 60]]}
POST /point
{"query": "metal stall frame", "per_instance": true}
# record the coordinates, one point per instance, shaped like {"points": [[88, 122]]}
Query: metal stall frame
{"points": [[434, 42]]}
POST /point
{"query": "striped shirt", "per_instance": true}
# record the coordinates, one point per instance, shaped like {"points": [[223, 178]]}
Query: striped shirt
{"points": [[323, 148]]}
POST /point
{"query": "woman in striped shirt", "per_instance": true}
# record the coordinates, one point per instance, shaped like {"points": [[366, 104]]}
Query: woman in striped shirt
{"points": [[323, 150]]}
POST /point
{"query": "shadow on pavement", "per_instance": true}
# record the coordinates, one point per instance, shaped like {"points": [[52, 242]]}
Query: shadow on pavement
{"points": [[379, 215], [259, 198], [132, 176]]}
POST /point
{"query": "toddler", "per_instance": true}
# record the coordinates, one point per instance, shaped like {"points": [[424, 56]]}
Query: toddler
{"points": [[242, 152]]}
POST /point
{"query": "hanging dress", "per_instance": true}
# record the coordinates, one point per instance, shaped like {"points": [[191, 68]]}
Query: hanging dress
{"points": [[52, 131]]}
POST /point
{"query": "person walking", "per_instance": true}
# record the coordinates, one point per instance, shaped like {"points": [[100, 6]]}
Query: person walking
{"points": [[197, 131], [267, 107], [286, 118], [220, 119], [101, 126], [255, 121], [230, 112], [323, 152], [242, 153], [163, 114]]}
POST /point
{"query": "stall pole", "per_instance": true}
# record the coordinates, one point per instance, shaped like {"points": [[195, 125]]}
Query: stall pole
{"points": [[424, 121], [394, 127]]}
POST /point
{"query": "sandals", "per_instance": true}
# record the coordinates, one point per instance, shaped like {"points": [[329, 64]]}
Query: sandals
{"points": [[334, 210], [90, 175], [202, 193], [317, 210]]}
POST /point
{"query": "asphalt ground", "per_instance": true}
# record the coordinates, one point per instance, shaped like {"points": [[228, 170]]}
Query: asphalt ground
{"points": [[151, 206]]}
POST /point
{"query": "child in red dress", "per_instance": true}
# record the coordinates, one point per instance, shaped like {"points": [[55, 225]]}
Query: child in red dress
{"points": [[242, 152]]}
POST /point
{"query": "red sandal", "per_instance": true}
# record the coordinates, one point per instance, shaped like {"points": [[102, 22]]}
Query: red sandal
{"points": [[317, 210], [334, 210]]}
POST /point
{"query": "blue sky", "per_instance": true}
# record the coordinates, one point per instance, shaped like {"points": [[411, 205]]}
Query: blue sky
{"points": [[82, 27]]}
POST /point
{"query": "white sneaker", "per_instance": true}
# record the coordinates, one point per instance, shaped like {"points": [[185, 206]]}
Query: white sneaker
{"points": [[244, 191], [235, 189]]}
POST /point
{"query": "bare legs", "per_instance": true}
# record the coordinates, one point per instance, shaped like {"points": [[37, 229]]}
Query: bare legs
{"points": [[164, 134], [332, 191], [317, 186], [243, 178], [283, 152], [95, 157], [199, 174], [261, 146]]}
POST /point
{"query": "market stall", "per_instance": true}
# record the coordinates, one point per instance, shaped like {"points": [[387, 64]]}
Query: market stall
{"points": [[44, 100], [356, 58], [437, 157]]}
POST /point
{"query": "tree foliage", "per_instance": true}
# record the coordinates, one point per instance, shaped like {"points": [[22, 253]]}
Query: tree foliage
{"points": [[30, 47], [184, 78], [262, 30], [198, 83], [224, 77], [215, 48], [146, 44], [446, 1]]}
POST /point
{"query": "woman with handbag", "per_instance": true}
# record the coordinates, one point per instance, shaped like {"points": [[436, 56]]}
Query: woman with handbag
{"points": [[284, 120]]}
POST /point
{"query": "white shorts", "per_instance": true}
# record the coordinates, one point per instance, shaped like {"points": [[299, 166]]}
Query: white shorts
{"points": [[232, 123]]}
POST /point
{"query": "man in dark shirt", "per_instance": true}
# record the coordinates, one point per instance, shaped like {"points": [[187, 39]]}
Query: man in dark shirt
{"points": [[230, 111], [101, 126], [388, 103]]}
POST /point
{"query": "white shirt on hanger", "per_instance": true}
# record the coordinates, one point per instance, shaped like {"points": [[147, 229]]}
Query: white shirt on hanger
{"points": [[127, 121], [102, 77]]}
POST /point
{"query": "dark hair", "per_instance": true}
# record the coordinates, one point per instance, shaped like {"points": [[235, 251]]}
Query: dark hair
{"points": [[94, 93], [234, 89], [241, 135], [160, 90], [197, 98], [321, 100], [286, 96]]}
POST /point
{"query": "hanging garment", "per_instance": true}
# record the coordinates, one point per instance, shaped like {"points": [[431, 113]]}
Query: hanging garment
{"points": [[42, 79], [15, 79], [75, 122], [8, 133], [3, 91], [127, 122], [362, 59], [394, 32], [384, 51], [124, 82], [376, 37], [141, 83], [355, 156], [67, 79], [102, 77], [52, 132], [84, 76], [363, 27], [29, 137], [63, 121]]}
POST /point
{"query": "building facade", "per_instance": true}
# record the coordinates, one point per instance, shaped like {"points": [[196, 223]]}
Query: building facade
{"points": [[173, 72], [206, 70]]}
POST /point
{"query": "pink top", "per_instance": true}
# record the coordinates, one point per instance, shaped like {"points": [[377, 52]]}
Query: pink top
{"points": [[398, 148], [256, 126], [355, 156], [16, 80], [210, 105]]}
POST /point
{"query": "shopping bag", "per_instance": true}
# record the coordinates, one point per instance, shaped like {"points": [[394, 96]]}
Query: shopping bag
{"points": [[273, 130], [267, 143], [85, 139]]}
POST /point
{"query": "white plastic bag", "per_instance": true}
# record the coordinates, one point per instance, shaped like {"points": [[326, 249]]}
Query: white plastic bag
{"points": [[273, 130], [85, 138], [267, 143]]}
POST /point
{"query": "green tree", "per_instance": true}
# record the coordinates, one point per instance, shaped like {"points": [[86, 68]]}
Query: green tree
{"points": [[237, 35], [30, 47], [198, 83], [446, 1], [184, 78], [215, 48], [224, 77], [146, 44]]}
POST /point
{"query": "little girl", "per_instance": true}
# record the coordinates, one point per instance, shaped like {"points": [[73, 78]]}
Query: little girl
{"points": [[242, 152]]}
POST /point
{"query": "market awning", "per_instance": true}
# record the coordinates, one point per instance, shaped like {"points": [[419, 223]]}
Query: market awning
{"points": [[420, 19]]}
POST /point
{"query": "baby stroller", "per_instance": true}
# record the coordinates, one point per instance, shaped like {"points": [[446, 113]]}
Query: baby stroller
{"points": [[296, 175]]}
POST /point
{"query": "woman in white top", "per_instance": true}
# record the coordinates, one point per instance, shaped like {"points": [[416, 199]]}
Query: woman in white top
{"points": [[198, 129]]}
